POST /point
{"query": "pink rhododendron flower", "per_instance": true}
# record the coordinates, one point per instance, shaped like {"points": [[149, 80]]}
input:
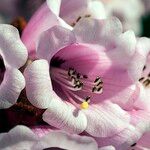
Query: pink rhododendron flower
{"points": [[128, 11], [22, 137], [59, 12], [13, 55], [86, 77]]}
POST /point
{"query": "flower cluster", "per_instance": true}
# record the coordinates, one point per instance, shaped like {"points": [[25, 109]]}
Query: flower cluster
{"points": [[86, 73]]}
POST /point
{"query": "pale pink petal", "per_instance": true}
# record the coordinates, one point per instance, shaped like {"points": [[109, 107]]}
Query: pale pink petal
{"points": [[65, 116], [142, 102], [58, 139], [72, 11], [38, 84], [124, 140], [124, 49], [139, 58], [102, 32], [41, 130], [10, 88], [17, 138], [12, 50], [144, 142], [54, 6], [52, 40], [42, 20], [105, 120]]}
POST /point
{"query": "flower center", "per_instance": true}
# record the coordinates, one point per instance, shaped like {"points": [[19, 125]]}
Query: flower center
{"points": [[72, 82], [2, 69]]}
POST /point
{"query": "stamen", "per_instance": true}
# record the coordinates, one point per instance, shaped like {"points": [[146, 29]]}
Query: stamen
{"points": [[141, 79], [133, 145], [144, 68], [73, 81], [78, 18], [98, 79], [97, 90], [87, 99], [146, 82], [71, 72], [87, 16]]}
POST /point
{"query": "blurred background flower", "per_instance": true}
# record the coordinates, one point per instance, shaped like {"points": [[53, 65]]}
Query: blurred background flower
{"points": [[10, 9]]}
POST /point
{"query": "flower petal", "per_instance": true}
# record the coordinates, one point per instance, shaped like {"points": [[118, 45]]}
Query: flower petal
{"points": [[12, 49], [72, 11], [38, 84], [52, 40], [106, 119], [124, 140], [11, 86], [19, 137], [101, 32], [65, 116], [66, 141], [125, 48], [54, 6], [139, 58], [42, 20], [144, 141]]}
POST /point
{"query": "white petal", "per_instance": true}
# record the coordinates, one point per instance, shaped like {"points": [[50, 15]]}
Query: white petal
{"points": [[101, 32], [65, 116], [12, 49], [105, 120], [66, 141], [19, 138], [10, 88], [38, 84], [54, 5], [52, 40]]}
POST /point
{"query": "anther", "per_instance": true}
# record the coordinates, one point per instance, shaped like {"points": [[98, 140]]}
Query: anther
{"points": [[87, 16], [99, 83], [98, 79], [141, 79], [71, 72], [146, 82], [97, 90], [87, 99], [144, 68], [78, 75], [78, 18], [133, 144], [78, 85], [85, 76]]}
